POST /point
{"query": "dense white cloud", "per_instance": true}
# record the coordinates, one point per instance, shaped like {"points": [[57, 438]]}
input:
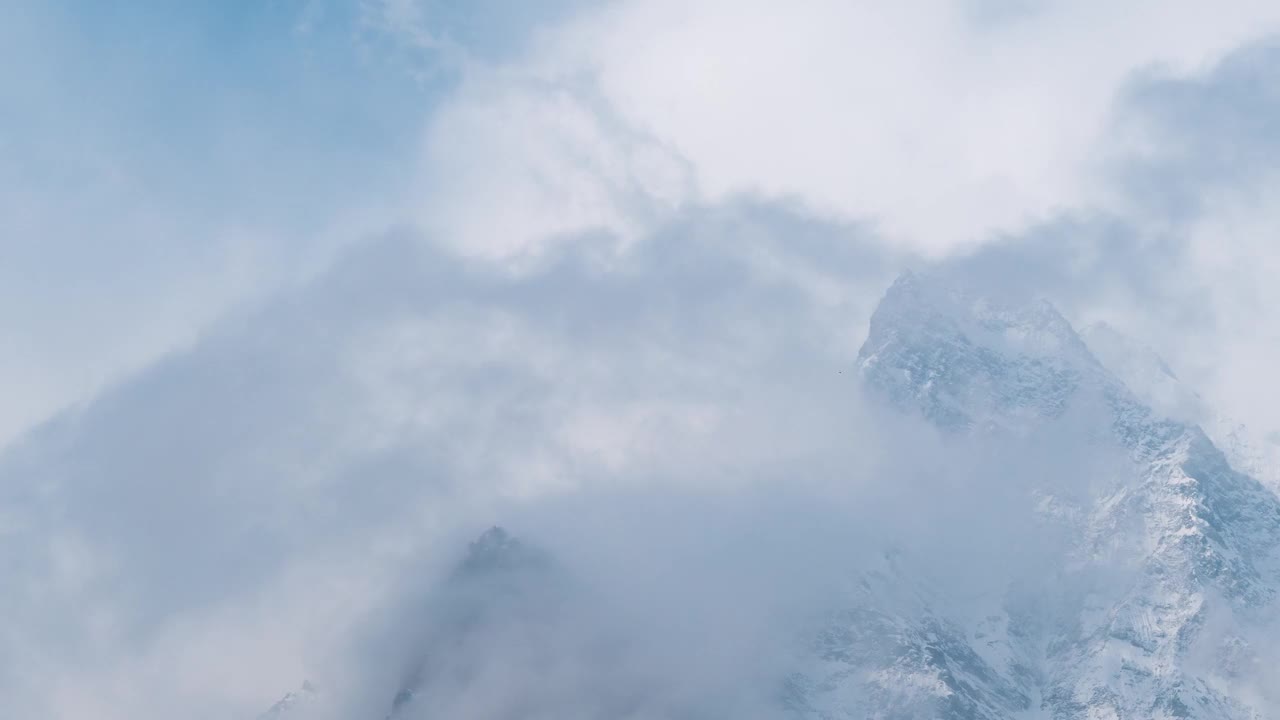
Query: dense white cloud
{"points": [[940, 122], [947, 126], [512, 163]]}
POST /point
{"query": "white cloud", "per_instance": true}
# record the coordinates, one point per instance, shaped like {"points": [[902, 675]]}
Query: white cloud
{"points": [[937, 121], [513, 161]]}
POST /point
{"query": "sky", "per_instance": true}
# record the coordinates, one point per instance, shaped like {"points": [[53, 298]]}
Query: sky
{"points": [[308, 282]]}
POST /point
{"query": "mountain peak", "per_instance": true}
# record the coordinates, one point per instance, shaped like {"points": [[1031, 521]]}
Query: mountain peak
{"points": [[968, 358], [496, 550], [1196, 537], [931, 303], [292, 703], [500, 581]]}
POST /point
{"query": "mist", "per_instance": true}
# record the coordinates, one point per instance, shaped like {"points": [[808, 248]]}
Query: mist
{"points": [[701, 462], [300, 300]]}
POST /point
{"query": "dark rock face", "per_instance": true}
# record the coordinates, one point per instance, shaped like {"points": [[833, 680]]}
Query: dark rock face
{"points": [[501, 589], [496, 552]]}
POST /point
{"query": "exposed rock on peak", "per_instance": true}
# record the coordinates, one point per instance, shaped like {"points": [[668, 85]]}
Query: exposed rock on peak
{"points": [[497, 551], [293, 705], [501, 587], [968, 361]]}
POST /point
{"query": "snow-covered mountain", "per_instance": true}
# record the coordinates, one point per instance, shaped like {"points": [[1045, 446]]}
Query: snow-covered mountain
{"points": [[1171, 570], [1159, 604], [501, 587], [294, 704], [1155, 383]]}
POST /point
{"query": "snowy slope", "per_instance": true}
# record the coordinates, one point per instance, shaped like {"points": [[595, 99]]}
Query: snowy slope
{"points": [[895, 652], [294, 705], [1155, 383], [1173, 563]]}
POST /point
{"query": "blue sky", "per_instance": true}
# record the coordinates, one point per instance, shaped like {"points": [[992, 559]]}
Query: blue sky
{"points": [[181, 155], [320, 282]]}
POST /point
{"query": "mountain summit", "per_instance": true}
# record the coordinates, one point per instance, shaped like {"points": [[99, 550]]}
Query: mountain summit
{"points": [[967, 360], [1173, 558]]}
